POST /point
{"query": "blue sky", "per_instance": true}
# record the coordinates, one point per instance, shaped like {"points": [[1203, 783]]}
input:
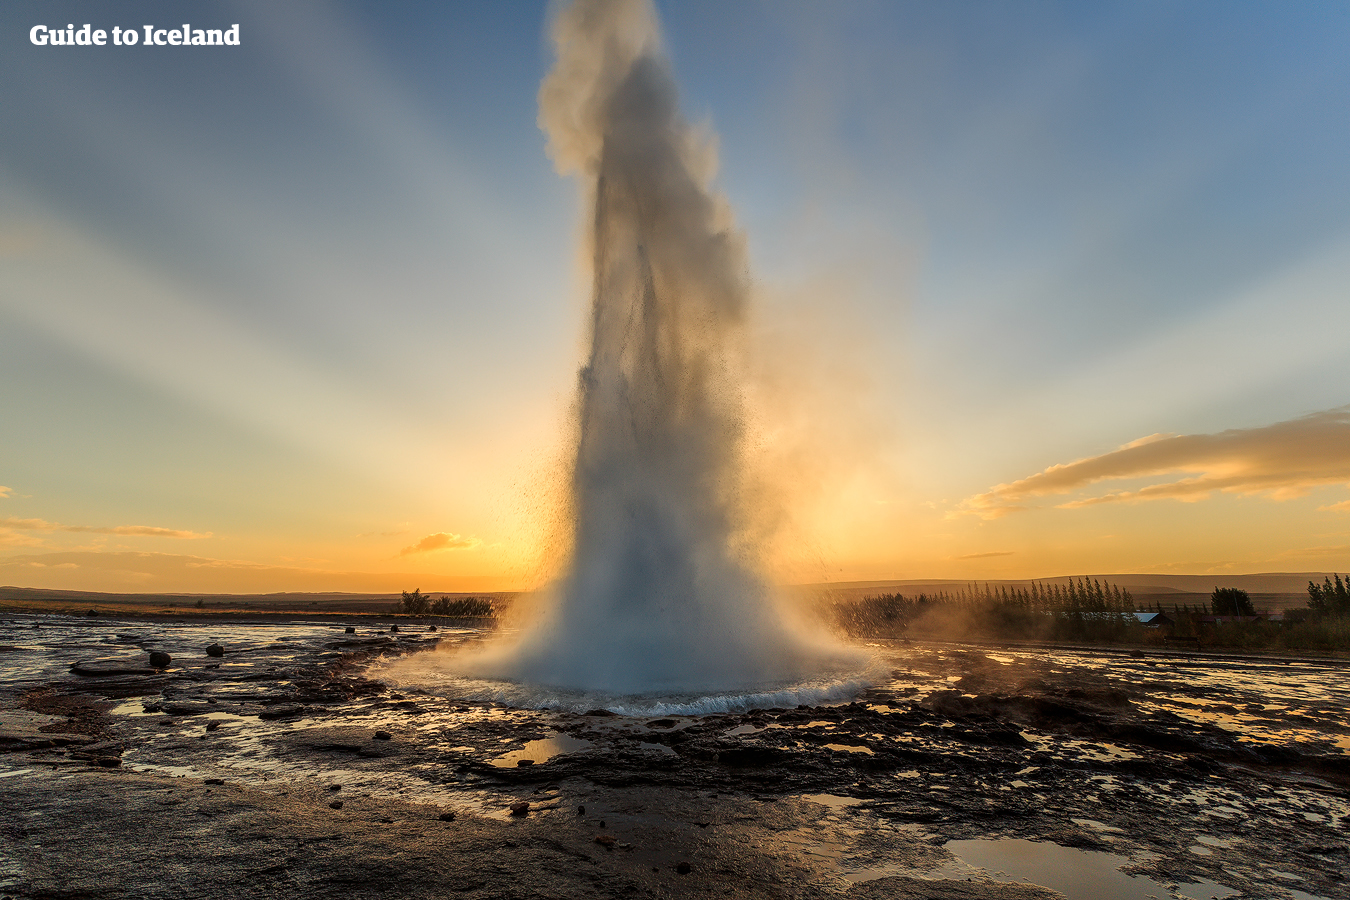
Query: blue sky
{"points": [[319, 296]]}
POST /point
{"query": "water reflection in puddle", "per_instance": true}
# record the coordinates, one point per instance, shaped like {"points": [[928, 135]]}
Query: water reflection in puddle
{"points": [[542, 750], [1077, 874]]}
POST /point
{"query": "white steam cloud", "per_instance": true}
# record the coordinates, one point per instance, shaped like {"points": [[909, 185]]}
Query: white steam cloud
{"points": [[661, 592]]}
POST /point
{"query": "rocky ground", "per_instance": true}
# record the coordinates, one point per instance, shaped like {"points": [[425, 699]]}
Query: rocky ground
{"points": [[287, 769]]}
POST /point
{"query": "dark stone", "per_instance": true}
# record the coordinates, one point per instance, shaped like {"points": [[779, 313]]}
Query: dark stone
{"points": [[383, 736], [98, 669], [605, 841], [600, 712], [108, 762], [159, 659], [524, 762], [214, 781], [215, 650], [92, 612], [581, 810], [520, 808], [751, 756], [281, 711], [393, 628], [212, 725], [335, 787], [351, 630], [447, 817], [432, 628], [684, 868], [336, 804]]}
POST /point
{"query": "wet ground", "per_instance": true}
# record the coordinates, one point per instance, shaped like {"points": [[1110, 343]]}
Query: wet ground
{"points": [[296, 763]]}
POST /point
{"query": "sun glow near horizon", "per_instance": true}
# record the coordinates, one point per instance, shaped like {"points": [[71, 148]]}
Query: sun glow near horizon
{"points": [[1033, 295]]}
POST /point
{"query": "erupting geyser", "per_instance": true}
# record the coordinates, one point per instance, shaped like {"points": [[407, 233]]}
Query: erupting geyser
{"points": [[660, 593]]}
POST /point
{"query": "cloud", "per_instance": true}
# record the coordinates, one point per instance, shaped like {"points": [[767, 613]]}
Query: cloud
{"points": [[1283, 461], [12, 523], [11, 538], [5, 492], [1343, 506], [986, 555], [441, 540]]}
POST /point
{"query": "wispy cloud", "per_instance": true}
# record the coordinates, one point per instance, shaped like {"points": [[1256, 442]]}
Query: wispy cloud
{"points": [[5, 492], [1283, 460], [14, 524], [441, 540], [989, 555]]}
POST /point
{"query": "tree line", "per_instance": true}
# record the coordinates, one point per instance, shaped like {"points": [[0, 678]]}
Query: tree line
{"points": [[1081, 608], [1328, 599]]}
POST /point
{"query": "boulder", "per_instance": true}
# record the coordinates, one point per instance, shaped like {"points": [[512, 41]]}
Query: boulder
{"points": [[215, 650], [159, 659]]}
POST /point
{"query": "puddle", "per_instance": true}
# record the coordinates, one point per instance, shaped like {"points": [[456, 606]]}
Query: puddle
{"points": [[1077, 874], [849, 748], [833, 801], [541, 751]]}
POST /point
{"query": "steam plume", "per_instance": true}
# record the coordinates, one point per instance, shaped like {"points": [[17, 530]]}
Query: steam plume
{"points": [[659, 593]]}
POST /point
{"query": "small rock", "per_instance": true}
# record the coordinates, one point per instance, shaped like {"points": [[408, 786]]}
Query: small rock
{"points": [[383, 736], [684, 868], [605, 841], [520, 808], [336, 804], [335, 787], [92, 612], [599, 712], [212, 725], [159, 659], [581, 810], [215, 650], [602, 823], [214, 781], [432, 628], [393, 628], [351, 630], [524, 762], [447, 817], [108, 762]]}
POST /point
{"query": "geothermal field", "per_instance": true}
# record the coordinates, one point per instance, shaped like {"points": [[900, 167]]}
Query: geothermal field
{"points": [[309, 761], [660, 720]]}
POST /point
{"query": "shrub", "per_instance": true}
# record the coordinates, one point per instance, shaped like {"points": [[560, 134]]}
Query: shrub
{"points": [[479, 607], [416, 603]]}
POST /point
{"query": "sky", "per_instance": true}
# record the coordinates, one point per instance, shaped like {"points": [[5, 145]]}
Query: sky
{"points": [[1040, 289]]}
